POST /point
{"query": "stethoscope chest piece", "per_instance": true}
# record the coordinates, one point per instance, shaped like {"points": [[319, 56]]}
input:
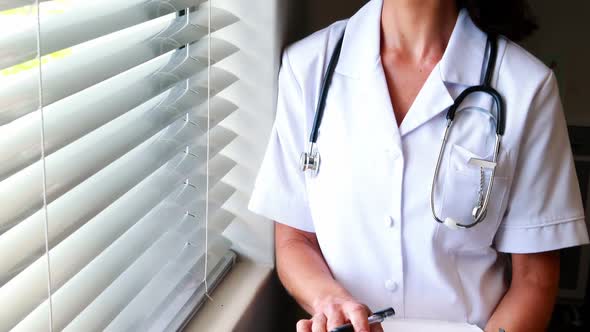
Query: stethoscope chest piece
{"points": [[310, 161]]}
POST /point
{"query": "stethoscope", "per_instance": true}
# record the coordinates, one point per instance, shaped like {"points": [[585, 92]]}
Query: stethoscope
{"points": [[310, 160]]}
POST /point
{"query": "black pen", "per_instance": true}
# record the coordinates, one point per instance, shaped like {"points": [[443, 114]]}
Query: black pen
{"points": [[375, 318]]}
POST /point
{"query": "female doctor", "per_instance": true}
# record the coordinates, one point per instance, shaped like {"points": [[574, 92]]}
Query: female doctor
{"points": [[360, 234]]}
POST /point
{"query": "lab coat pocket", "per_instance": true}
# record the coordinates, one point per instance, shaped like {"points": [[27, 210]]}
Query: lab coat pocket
{"points": [[459, 197]]}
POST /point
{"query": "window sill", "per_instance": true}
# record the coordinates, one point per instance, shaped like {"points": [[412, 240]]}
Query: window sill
{"points": [[232, 299]]}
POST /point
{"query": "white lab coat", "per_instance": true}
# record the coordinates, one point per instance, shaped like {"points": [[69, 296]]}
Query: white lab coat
{"points": [[369, 204]]}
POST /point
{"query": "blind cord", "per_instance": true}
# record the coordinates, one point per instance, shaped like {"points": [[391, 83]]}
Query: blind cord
{"points": [[43, 164], [208, 152]]}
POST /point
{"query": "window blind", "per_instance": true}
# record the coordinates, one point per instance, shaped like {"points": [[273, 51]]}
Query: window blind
{"points": [[112, 163]]}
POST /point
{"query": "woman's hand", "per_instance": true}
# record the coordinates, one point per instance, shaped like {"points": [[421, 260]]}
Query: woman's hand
{"points": [[333, 311]]}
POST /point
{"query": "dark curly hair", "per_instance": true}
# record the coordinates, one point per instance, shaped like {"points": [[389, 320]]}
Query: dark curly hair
{"points": [[511, 18]]}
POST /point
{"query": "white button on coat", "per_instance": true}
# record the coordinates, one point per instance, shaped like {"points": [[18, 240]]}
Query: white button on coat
{"points": [[390, 222], [452, 275], [391, 285]]}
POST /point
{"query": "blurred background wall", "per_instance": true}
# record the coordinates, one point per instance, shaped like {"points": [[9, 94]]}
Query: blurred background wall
{"points": [[308, 16]]}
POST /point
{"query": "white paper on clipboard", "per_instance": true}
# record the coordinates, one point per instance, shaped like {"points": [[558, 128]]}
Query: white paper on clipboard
{"points": [[422, 325]]}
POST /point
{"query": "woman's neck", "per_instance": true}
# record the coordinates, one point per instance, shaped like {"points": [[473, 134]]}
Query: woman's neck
{"points": [[417, 29]]}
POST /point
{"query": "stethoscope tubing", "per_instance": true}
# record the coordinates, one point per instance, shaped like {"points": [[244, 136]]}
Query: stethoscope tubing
{"points": [[325, 87]]}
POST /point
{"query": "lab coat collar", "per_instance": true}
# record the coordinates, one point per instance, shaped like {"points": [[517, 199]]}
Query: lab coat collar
{"points": [[460, 64], [362, 42]]}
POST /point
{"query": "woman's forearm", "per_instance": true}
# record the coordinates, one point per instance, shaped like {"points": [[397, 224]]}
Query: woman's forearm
{"points": [[302, 268], [523, 309], [528, 304]]}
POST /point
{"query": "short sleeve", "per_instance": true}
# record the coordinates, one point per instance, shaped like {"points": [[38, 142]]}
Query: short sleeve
{"points": [[544, 210], [280, 192]]}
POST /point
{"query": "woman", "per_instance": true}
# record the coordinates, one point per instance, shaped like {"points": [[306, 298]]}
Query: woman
{"points": [[360, 235]]}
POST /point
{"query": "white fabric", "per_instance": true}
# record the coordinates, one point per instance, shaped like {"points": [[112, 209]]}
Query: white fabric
{"points": [[369, 204], [423, 325]]}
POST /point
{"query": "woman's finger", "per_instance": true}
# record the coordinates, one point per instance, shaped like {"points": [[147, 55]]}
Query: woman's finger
{"points": [[376, 328], [319, 323], [304, 325], [335, 318], [359, 317]]}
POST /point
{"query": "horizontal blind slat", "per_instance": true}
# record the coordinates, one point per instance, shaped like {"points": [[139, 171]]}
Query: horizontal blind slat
{"points": [[100, 60], [219, 166], [11, 4], [220, 138], [219, 219], [93, 107], [81, 22], [218, 195]]}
